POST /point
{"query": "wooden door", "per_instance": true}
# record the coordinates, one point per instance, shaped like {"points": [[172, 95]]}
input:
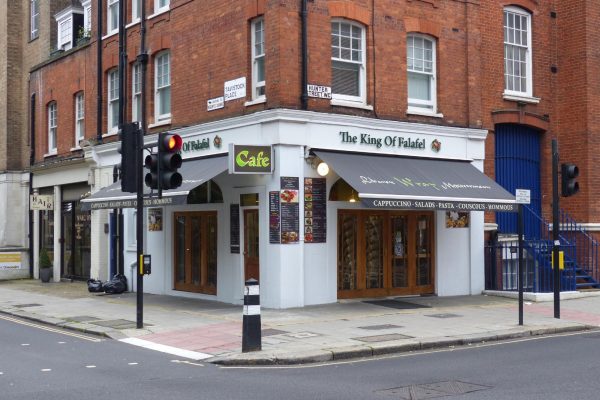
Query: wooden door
{"points": [[251, 256], [195, 252]]}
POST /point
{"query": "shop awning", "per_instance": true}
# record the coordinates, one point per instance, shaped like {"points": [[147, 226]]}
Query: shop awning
{"points": [[418, 183], [194, 173]]}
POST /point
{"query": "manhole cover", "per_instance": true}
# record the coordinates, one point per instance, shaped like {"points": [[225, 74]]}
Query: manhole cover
{"points": [[27, 305], [272, 332], [379, 327], [432, 390], [382, 338], [444, 315], [116, 324], [83, 318]]}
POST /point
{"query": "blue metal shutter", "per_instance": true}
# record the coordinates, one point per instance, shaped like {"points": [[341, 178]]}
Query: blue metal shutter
{"points": [[518, 167]]}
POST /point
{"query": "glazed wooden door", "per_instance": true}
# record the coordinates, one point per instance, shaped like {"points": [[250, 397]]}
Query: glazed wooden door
{"points": [[195, 250], [384, 253], [251, 255]]}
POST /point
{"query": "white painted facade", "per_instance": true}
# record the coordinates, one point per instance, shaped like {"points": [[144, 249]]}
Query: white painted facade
{"points": [[14, 229], [299, 274]]}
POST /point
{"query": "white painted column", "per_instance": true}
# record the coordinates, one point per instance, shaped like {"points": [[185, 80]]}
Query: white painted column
{"points": [[57, 231], [477, 253]]}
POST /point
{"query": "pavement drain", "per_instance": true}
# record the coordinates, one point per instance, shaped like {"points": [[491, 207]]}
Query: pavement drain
{"points": [[379, 327], [302, 335], [443, 315], [83, 318], [382, 338], [116, 324], [432, 390], [27, 305], [272, 332]]}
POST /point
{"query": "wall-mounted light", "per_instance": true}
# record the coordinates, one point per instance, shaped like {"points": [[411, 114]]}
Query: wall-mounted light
{"points": [[352, 198], [322, 168]]}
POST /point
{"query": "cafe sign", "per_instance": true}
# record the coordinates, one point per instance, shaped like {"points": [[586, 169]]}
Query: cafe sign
{"points": [[246, 159]]}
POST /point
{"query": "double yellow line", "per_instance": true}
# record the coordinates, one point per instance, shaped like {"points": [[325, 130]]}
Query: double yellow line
{"points": [[49, 329]]}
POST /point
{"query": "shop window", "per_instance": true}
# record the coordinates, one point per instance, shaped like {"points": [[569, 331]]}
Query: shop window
{"points": [[47, 232], [249, 199], [208, 192], [342, 191]]}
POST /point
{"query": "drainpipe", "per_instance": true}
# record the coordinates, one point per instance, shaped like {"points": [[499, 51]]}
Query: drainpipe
{"points": [[31, 162], [99, 75], [304, 18]]}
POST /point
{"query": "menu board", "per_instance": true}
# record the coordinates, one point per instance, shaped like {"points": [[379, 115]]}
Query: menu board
{"points": [[274, 222], [315, 210], [234, 228], [290, 209]]}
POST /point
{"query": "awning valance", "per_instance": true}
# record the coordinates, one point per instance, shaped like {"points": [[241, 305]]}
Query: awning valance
{"points": [[418, 183], [194, 173]]}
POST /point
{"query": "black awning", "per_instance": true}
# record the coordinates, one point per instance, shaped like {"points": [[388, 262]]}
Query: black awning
{"points": [[418, 183], [194, 173]]}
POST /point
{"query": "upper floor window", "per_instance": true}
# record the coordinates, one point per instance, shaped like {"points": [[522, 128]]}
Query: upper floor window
{"points": [[87, 16], [421, 69], [517, 52], [161, 5], [162, 95], [258, 59], [79, 118], [34, 7], [136, 92], [136, 10], [348, 61], [65, 34], [113, 101], [52, 126], [112, 24]]}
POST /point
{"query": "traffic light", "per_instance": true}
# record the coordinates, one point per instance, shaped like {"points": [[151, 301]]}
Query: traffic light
{"points": [[163, 166], [128, 135], [568, 174]]}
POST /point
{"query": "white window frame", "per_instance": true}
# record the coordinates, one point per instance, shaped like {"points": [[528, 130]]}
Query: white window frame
{"points": [[528, 92], [158, 8], [256, 84], [34, 9], [135, 10], [112, 7], [113, 101], [65, 33], [87, 15], [79, 118], [159, 88], [52, 126], [419, 106], [361, 99], [136, 92]]}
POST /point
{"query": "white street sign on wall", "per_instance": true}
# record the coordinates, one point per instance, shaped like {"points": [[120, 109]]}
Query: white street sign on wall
{"points": [[235, 89]]}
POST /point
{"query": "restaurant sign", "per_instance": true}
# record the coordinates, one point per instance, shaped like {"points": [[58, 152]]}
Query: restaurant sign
{"points": [[407, 204], [246, 159], [418, 143]]}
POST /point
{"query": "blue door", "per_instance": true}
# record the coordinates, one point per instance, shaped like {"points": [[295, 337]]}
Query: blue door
{"points": [[518, 167]]}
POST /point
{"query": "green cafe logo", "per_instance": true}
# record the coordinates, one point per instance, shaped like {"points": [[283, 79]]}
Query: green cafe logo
{"points": [[246, 159], [251, 159]]}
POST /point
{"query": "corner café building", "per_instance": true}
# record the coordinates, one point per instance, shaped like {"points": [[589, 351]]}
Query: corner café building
{"points": [[398, 211]]}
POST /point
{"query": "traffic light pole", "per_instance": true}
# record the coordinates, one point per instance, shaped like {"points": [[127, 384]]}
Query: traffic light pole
{"points": [[555, 229], [143, 59]]}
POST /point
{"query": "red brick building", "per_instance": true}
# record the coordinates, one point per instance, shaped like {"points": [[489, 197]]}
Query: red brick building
{"points": [[459, 69]]}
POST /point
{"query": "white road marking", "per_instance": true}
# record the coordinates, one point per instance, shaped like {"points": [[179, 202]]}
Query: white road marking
{"points": [[132, 363], [46, 370], [62, 342], [49, 329], [187, 362], [24, 344], [193, 355], [90, 366]]}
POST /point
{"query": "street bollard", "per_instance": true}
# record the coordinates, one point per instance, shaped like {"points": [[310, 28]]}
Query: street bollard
{"points": [[251, 335]]}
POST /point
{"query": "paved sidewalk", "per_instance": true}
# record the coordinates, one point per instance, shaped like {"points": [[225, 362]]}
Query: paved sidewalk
{"points": [[210, 330]]}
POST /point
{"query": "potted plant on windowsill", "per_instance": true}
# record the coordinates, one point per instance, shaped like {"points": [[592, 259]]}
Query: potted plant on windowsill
{"points": [[45, 266]]}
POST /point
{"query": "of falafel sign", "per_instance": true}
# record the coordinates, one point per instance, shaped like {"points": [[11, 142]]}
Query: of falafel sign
{"points": [[246, 159]]}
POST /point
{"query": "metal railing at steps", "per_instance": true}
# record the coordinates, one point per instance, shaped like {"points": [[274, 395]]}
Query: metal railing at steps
{"points": [[580, 255]]}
